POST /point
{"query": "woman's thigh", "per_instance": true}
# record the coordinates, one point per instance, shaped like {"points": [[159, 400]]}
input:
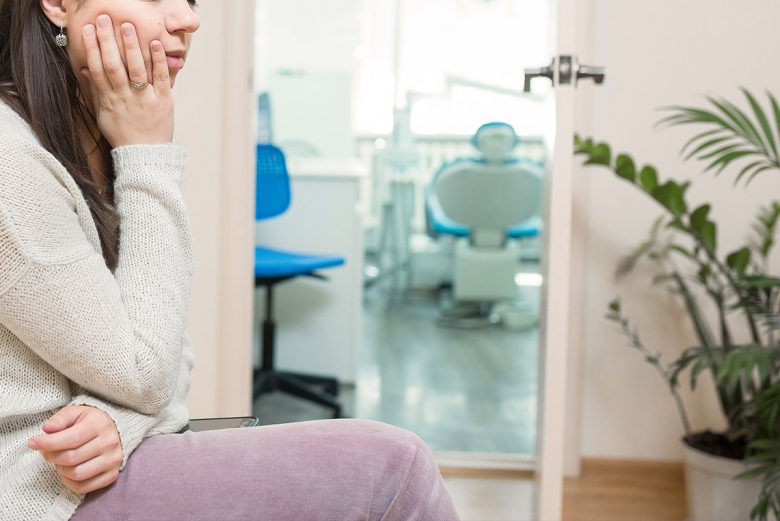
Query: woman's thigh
{"points": [[339, 470]]}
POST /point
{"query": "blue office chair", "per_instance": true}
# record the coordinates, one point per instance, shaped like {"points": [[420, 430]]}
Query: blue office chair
{"points": [[275, 266]]}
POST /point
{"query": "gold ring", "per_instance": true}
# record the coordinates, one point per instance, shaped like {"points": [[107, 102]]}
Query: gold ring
{"points": [[139, 85]]}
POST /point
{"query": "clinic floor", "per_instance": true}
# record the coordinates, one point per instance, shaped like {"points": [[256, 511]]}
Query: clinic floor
{"points": [[460, 390]]}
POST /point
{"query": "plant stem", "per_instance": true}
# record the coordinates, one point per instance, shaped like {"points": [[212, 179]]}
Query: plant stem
{"points": [[705, 337], [655, 362], [699, 325], [734, 286]]}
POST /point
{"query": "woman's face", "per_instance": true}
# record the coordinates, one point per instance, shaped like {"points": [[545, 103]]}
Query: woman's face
{"points": [[172, 22]]}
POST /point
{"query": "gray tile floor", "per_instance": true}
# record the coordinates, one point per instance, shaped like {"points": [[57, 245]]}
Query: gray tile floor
{"points": [[460, 390]]}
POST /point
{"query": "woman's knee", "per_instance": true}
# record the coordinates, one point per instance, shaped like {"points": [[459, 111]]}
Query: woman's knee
{"points": [[406, 450], [395, 438], [411, 487]]}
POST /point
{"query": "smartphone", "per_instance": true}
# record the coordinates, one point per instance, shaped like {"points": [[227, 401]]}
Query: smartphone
{"points": [[210, 424]]}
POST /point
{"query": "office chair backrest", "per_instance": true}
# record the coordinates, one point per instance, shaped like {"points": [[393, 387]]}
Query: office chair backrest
{"points": [[489, 198], [273, 183]]}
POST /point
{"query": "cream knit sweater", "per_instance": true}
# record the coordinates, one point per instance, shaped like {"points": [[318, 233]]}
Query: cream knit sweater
{"points": [[71, 332]]}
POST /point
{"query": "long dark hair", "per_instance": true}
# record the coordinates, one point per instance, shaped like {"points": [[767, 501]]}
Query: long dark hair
{"points": [[38, 82]]}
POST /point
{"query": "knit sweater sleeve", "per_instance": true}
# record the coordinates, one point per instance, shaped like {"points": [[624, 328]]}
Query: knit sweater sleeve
{"points": [[134, 426], [131, 425], [116, 335]]}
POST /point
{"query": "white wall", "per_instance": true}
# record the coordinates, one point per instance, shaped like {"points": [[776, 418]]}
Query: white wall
{"points": [[657, 54], [214, 118]]}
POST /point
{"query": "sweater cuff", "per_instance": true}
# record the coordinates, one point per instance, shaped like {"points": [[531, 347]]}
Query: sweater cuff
{"points": [[131, 426], [149, 159]]}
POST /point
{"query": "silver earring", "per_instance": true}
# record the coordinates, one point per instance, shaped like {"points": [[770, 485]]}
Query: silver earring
{"points": [[61, 39]]}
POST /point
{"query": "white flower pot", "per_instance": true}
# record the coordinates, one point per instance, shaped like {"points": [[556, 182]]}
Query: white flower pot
{"points": [[713, 493]]}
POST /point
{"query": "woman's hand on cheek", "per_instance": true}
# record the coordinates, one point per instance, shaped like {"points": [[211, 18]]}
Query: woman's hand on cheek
{"points": [[126, 115], [83, 444]]}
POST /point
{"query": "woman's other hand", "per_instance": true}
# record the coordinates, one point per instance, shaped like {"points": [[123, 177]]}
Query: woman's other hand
{"points": [[83, 444], [126, 115]]}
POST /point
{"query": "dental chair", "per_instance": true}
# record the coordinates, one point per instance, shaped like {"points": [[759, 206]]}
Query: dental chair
{"points": [[484, 203]]}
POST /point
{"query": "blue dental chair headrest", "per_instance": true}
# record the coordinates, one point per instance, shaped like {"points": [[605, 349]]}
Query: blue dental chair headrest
{"points": [[495, 141], [495, 126]]}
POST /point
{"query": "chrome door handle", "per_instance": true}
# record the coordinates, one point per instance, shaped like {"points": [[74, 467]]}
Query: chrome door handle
{"points": [[537, 72], [587, 71], [569, 71]]}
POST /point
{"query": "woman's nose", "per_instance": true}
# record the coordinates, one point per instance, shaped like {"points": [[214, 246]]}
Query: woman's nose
{"points": [[181, 17]]}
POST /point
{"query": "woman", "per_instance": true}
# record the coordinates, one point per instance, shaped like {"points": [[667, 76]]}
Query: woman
{"points": [[94, 358]]}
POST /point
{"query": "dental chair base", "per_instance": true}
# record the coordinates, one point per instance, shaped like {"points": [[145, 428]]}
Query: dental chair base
{"points": [[485, 274], [482, 277], [469, 315]]}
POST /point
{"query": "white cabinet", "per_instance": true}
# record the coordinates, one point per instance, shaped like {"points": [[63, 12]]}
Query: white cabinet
{"points": [[318, 322]]}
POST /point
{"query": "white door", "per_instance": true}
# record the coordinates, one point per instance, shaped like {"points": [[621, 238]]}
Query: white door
{"points": [[553, 422], [555, 297]]}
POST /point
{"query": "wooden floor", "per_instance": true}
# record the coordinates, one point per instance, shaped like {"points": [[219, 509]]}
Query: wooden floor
{"points": [[609, 490]]}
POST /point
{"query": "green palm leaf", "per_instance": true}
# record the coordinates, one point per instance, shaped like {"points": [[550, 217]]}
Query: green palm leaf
{"points": [[733, 135], [749, 167], [707, 145], [723, 161], [775, 111], [763, 121], [701, 137], [745, 127], [762, 169], [720, 152], [686, 115]]}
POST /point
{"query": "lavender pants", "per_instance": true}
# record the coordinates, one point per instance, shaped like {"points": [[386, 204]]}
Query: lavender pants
{"points": [[325, 470]]}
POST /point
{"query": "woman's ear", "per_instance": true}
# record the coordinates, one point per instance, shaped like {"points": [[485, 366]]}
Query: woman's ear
{"points": [[55, 11]]}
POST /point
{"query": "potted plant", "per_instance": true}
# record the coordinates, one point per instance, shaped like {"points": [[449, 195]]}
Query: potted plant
{"points": [[732, 301]]}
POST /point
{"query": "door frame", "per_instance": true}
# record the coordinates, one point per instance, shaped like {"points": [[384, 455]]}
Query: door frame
{"points": [[557, 269], [233, 392], [220, 173]]}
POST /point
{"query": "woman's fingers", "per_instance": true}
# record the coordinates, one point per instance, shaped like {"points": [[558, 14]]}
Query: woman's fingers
{"points": [[162, 81], [90, 469], [120, 119], [63, 419], [87, 452], [136, 67], [109, 51], [94, 59], [85, 487], [77, 456], [70, 438]]}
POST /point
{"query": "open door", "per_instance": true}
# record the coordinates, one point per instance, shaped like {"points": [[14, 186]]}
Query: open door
{"points": [[564, 71]]}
